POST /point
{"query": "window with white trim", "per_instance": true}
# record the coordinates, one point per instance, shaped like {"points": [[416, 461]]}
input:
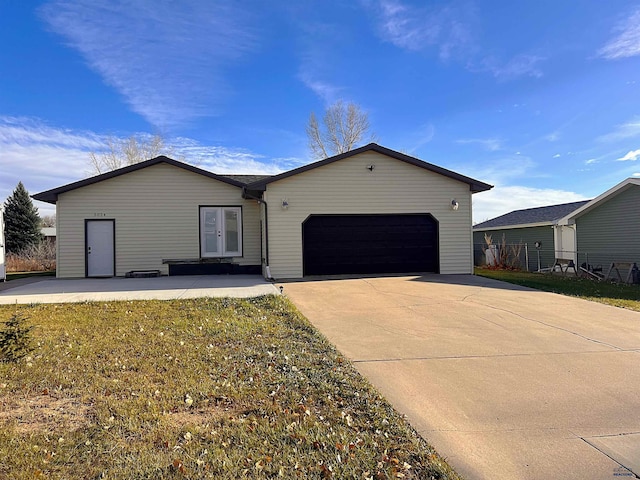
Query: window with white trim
{"points": [[220, 231]]}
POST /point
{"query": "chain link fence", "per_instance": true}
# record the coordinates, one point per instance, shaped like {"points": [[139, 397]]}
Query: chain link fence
{"points": [[527, 257]]}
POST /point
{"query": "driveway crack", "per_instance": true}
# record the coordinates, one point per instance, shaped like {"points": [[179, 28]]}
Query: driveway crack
{"points": [[540, 322], [494, 355]]}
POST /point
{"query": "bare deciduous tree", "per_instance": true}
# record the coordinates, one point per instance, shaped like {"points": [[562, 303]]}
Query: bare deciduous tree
{"points": [[48, 221], [122, 152], [343, 128]]}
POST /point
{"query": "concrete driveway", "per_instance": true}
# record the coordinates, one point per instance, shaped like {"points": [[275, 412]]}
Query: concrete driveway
{"points": [[505, 382], [54, 290]]}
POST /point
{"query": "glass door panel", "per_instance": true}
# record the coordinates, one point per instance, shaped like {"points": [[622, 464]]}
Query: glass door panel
{"points": [[210, 232], [231, 231]]}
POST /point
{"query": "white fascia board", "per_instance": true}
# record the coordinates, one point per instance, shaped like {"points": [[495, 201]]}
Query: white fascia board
{"points": [[619, 188]]}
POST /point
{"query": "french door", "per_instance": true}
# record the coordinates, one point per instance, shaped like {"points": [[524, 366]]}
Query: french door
{"points": [[220, 231]]}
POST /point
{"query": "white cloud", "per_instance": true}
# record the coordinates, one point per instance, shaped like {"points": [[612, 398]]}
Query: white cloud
{"points": [[591, 161], [490, 144], [165, 58], [626, 130], [44, 157], [502, 170], [505, 199], [553, 137], [523, 65], [220, 159], [326, 91], [626, 40], [321, 43], [417, 28], [631, 156], [557, 155]]}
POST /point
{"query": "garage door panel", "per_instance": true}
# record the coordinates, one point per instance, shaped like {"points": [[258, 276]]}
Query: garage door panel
{"points": [[335, 244]]}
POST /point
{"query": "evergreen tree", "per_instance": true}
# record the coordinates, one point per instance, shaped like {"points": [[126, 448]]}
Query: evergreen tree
{"points": [[21, 221]]}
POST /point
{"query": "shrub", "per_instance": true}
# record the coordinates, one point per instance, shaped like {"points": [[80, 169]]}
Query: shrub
{"points": [[502, 256], [35, 258], [15, 338]]}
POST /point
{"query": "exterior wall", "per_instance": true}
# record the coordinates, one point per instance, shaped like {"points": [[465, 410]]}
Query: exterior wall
{"points": [[611, 231], [515, 236], [156, 212], [348, 187]]}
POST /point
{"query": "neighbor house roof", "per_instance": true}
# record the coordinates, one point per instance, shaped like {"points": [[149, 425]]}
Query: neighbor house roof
{"points": [[51, 196], [474, 185], [570, 217], [531, 216]]}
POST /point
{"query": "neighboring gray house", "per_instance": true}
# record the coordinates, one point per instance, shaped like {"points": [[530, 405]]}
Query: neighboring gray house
{"points": [[49, 235], [370, 210], [527, 227], [595, 232], [607, 229]]}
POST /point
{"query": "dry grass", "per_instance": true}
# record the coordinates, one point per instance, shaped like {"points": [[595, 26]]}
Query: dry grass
{"points": [[208, 388]]}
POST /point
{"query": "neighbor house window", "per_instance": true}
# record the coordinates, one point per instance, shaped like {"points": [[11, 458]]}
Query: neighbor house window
{"points": [[220, 231]]}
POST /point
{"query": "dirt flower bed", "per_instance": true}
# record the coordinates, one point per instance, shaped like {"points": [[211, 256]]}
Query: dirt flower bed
{"points": [[208, 388]]}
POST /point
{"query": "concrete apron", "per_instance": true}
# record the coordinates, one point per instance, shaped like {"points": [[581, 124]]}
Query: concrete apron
{"points": [[505, 382], [55, 290]]}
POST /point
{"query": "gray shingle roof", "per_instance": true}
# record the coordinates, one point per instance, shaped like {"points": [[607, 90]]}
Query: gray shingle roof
{"points": [[531, 215]]}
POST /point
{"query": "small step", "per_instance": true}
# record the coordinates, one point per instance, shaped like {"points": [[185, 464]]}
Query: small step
{"points": [[142, 274]]}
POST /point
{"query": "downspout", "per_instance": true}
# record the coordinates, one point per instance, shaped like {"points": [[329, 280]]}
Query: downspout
{"points": [[247, 195]]}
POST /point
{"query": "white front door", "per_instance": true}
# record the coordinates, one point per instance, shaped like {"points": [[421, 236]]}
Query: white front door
{"points": [[100, 248], [220, 232]]}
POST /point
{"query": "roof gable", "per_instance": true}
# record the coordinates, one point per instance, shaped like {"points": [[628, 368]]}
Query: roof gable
{"points": [[531, 216], [474, 185], [600, 199], [51, 196]]}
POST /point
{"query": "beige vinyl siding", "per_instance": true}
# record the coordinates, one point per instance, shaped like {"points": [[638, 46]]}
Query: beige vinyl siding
{"points": [[611, 231], [348, 187], [156, 213]]}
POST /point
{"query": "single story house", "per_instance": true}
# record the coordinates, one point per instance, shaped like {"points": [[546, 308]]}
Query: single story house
{"points": [[594, 232], [605, 230], [533, 227], [370, 210], [49, 235]]}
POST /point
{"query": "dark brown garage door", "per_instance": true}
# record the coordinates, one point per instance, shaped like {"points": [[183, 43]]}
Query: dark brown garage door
{"points": [[337, 244]]}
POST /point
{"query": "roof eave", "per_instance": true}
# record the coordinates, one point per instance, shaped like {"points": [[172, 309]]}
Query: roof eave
{"points": [[474, 185], [516, 225], [619, 188], [51, 196]]}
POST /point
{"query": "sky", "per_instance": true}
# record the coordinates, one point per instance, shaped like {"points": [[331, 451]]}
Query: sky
{"points": [[539, 98]]}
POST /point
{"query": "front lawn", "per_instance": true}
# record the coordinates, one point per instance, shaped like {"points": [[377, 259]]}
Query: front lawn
{"points": [[207, 388], [617, 294]]}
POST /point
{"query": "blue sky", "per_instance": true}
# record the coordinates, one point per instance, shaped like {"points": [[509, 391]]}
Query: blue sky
{"points": [[539, 98]]}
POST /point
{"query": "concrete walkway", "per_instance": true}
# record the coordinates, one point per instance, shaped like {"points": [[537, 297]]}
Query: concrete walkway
{"points": [[54, 290], [505, 382]]}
